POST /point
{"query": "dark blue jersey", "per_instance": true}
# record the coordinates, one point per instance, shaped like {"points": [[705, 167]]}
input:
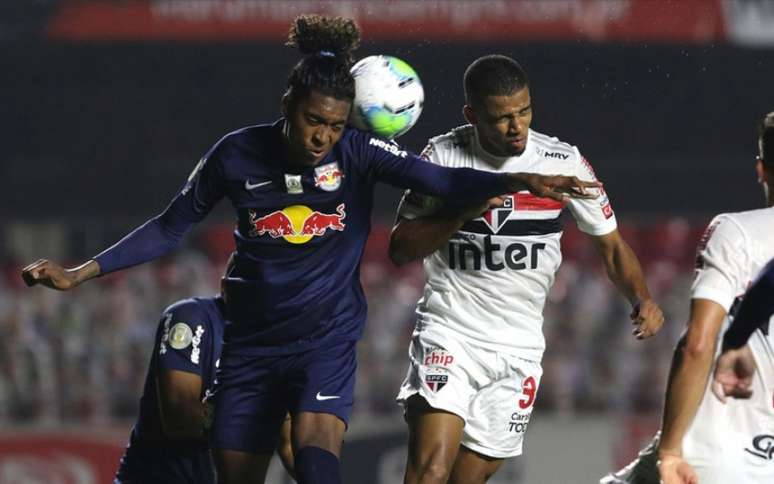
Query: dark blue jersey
{"points": [[189, 338], [300, 231]]}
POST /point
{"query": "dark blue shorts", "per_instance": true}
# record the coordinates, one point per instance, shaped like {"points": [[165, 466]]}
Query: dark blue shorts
{"points": [[165, 464], [253, 394]]}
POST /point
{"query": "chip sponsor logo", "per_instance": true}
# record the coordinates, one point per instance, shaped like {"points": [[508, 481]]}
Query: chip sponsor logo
{"points": [[438, 357]]}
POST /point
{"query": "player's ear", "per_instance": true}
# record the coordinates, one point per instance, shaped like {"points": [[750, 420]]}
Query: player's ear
{"points": [[470, 115]]}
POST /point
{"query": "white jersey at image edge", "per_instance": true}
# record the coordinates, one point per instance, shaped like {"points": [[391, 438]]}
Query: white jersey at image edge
{"points": [[731, 442], [732, 252], [490, 281]]}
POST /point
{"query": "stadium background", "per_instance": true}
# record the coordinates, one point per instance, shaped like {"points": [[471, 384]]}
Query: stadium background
{"points": [[107, 105]]}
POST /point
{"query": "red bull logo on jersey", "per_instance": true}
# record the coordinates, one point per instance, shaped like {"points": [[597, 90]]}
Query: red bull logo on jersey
{"points": [[328, 177], [297, 224]]}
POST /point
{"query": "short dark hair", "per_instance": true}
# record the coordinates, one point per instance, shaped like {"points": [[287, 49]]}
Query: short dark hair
{"points": [[327, 44], [493, 75], [766, 140]]}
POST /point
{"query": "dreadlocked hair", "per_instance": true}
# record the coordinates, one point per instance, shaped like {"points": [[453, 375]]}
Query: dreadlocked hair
{"points": [[327, 44], [766, 140]]}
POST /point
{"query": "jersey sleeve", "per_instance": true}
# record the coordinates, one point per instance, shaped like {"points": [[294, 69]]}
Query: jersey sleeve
{"points": [[183, 339], [720, 263], [159, 235], [385, 161], [415, 204], [593, 216]]}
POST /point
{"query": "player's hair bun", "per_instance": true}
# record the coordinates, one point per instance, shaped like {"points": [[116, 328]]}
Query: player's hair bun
{"points": [[315, 34]]}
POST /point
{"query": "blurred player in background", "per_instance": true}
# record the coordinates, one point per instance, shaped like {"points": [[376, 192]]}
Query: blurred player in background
{"points": [[723, 442], [302, 191], [476, 350], [168, 443]]}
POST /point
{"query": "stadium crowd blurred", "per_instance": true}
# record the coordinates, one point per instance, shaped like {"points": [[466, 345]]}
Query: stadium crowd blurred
{"points": [[82, 357]]}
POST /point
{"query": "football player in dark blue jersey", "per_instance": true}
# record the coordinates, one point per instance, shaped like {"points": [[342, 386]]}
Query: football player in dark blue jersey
{"points": [[302, 190], [168, 443]]}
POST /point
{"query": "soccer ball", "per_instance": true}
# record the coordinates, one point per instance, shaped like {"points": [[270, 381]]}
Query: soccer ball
{"points": [[388, 96]]}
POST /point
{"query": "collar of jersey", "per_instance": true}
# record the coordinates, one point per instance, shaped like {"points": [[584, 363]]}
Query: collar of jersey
{"points": [[500, 161]]}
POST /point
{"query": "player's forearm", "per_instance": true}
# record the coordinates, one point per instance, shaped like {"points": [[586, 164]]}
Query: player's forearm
{"points": [[151, 240], [687, 381], [184, 420], [625, 272], [84, 272], [415, 239]]}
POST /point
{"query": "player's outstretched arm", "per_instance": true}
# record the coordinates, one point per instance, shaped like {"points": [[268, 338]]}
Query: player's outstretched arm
{"points": [[416, 238], [625, 272], [388, 163], [51, 274], [691, 365], [557, 187]]}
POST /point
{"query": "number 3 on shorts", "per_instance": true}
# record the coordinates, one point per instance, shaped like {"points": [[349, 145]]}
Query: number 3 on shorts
{"points": [[528, 390]]}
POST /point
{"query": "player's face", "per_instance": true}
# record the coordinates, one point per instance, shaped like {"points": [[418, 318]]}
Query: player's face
{"points": [[502, 122], [314, 124]]}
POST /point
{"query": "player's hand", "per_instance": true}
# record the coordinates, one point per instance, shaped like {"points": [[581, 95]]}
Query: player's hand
{"points": [[673, 469], [734, 372], [647, 318], [49, 274], [559, 187]]}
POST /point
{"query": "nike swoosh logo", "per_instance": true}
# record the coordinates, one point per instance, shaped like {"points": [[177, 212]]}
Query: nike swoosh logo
{"points": [[250, 186], [325, 397]]}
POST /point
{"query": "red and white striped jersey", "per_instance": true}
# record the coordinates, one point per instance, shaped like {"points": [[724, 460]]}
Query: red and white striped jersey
{"points": [[490, 281]]}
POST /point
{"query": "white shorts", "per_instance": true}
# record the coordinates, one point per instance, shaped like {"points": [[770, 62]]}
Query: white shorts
{"points": [[494, 394]]}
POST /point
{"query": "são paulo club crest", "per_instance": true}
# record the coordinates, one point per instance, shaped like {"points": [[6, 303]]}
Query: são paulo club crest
{"points": [[436, 381], [328, 177], [495, 218]]}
